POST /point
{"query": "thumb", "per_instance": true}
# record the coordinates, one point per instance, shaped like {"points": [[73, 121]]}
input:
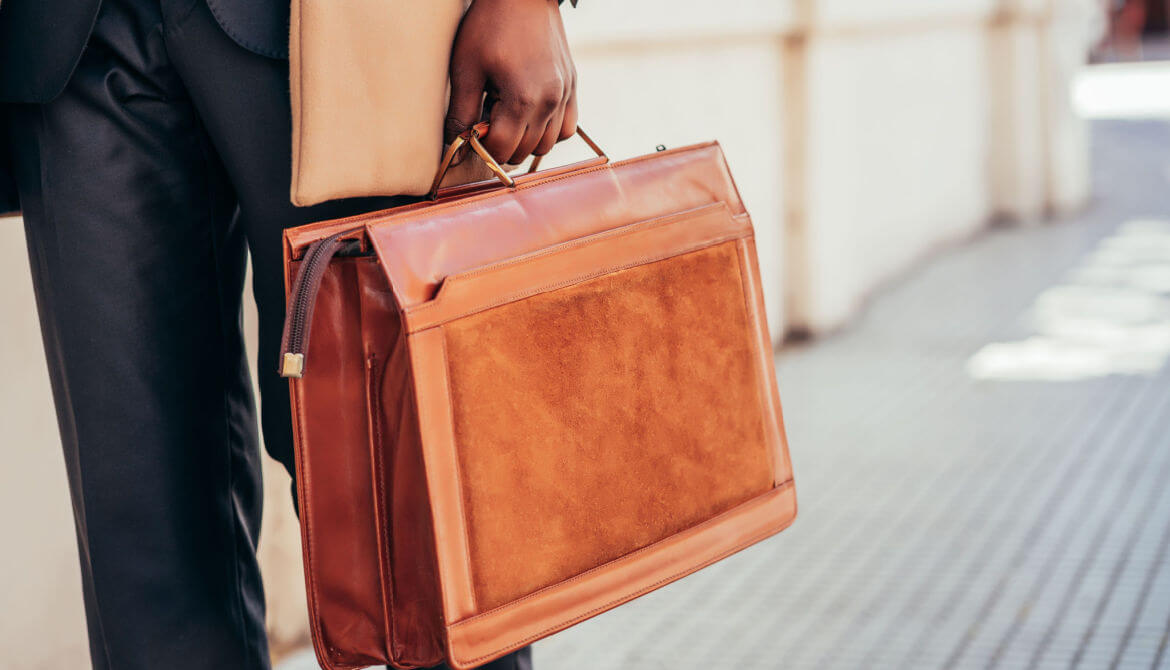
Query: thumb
{"points": [[467, 90]]}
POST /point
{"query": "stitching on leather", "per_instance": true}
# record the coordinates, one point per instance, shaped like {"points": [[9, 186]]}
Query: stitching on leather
{"points": [[624, 598], [578, 577], [578, 279], [320, 646], [572, 245], [356, 218], [628, 595], [460, 204], [458, 467], [463, 204], [385, 568], [520, 262], [307, 527], [637, 227]]}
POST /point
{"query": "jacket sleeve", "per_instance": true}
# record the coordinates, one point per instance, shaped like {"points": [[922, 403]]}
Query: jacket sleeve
{"points": [[9, 202]]}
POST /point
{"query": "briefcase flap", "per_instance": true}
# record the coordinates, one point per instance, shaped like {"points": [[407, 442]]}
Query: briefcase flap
{"points": [[419, 249]]}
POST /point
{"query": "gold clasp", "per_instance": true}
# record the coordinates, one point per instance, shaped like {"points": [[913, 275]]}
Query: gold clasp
{"points": [[472, 137]]}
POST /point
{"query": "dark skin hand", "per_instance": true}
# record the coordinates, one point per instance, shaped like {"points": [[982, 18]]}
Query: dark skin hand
{"points": [[512, 55]]}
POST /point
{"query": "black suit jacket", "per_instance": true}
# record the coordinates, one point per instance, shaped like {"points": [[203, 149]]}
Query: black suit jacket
{"points": [[41, 42]]}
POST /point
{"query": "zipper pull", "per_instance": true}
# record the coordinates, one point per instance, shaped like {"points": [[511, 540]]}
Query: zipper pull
{"points": [[292, 366]]}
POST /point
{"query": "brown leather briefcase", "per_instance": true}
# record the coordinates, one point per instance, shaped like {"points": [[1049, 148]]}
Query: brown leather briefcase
{"points": [[527, 403]]}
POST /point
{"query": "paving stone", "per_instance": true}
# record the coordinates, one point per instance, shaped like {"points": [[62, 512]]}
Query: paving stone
{"points": [[948, 521]]}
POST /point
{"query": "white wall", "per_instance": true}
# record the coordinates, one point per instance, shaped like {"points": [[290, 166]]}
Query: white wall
{"points": [[924, 121], [896, 136], [1070, 26], [691, 75], [863, 134]]}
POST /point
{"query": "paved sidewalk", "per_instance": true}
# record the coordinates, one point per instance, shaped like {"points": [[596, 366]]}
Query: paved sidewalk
{"points": [[963, 505], [982, 463]]}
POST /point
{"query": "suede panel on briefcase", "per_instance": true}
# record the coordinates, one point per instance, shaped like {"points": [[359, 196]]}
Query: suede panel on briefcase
{"points": [[526, 403]]}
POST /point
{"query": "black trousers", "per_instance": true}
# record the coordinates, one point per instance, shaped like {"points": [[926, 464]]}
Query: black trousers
{"points": [[144, 186]]}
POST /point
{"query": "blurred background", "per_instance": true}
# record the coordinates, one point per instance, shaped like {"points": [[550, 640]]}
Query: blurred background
{"points": [[962, 211]]}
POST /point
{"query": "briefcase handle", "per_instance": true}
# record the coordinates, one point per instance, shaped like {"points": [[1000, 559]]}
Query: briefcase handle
{"points": [[471, 138]]}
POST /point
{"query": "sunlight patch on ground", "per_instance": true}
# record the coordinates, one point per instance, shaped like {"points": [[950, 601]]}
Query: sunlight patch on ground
{"points": [[1111, 316], [1123, 91]]}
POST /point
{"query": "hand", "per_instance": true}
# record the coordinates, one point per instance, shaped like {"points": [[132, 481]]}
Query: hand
{"points": [[512, 55]]}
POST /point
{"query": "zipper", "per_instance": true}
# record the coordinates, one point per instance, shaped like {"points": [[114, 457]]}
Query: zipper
{"points": [[294, 342]]}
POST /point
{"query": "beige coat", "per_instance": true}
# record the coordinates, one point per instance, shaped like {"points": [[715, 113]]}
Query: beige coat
{"points": [[368, 109]]}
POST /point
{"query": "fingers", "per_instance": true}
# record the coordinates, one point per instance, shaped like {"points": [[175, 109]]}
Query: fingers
{"points": [[569, 124], [504, 136], [467, 90], [521, 56], [532, 138], [526, 112], [562, 125], [555, 130], [552, 134]]}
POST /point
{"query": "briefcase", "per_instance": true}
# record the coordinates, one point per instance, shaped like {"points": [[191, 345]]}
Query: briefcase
{"points": [[525, 402]]}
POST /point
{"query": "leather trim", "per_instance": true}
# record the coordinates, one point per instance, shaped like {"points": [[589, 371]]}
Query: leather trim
{"points": [[510, 222], [428, 358], [769, 394], [334, 651], [302, 236], [476, 640], [377, 472], [576, 261], [303, 486]]}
